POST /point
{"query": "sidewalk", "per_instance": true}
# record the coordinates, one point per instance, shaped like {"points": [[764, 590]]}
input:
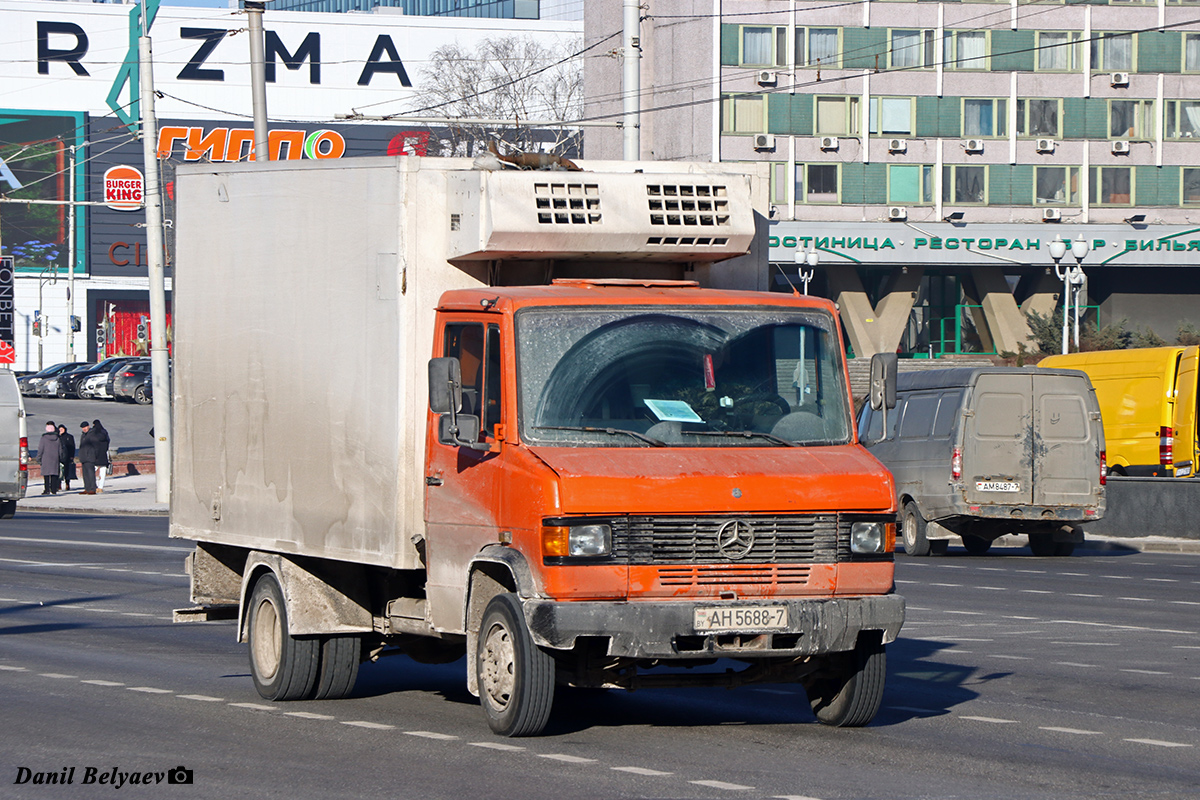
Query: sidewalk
{"points": [[123, 494]]}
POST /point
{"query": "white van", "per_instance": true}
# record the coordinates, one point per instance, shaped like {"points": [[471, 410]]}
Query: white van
{"points": [[14, 445]]}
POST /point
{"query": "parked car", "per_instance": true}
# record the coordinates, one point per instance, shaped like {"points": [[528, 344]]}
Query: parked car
{"points": [[144, 394], [48, 387], [69, 383], [984, 452], [128, 379], [93, 387], [27, 384]]}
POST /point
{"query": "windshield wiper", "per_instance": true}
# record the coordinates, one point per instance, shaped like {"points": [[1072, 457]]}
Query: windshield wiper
{"points": [[770, 437], [641, 437]]}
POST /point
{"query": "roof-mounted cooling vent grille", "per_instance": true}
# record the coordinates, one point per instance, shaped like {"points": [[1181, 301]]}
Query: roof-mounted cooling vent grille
{"points": [[677, 204], [567, 203]]}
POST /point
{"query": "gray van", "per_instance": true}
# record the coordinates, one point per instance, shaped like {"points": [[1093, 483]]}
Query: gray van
{"points": [[14, 446], [982, 452]]}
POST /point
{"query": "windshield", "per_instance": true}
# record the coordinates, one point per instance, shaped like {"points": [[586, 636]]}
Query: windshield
{"points": [[710, 377]]}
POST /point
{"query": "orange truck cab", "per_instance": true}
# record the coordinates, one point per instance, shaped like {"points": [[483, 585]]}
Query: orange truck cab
{"points": [[385, 443]]}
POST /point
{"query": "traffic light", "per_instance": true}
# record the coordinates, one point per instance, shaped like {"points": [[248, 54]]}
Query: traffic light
{"points": [[100, 337], [37, 326], [141, 329]]}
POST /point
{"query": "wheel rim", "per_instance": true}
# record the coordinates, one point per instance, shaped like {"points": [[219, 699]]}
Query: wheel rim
{"points": [[497, 661], [910, 532], [267, 638]]}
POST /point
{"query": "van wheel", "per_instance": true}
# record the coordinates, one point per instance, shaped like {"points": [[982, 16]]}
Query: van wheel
{"points": [[284, 667], [340, 657], [913, 529], [8, 509], [1043, 545], [516, 677], [938, 547], [848, 691], [976, 545]]}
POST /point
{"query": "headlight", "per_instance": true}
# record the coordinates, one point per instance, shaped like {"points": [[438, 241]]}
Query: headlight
{"points": [[576, 541], [868, 537]]}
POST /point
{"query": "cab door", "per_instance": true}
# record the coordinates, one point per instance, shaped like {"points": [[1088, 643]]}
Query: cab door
{"points": [[1187, 406], [462, 485], [998, 441]]}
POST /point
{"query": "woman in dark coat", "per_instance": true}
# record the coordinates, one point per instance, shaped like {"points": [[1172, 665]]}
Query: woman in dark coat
{"points": [[102, 445], [88, 453], [66, 444], [49, 458]]}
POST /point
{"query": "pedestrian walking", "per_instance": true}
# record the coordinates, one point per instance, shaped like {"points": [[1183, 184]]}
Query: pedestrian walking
{"points": [[66, 446], [102, 463], [88, 443], [49, 458]]}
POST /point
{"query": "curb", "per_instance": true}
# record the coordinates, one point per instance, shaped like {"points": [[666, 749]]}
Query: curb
{"points": [[125, 512]]}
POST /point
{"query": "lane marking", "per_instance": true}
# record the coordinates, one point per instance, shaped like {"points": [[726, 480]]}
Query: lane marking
{"points": [[1137, 599], [202, 698], [965, 613], [1089, 644], [567, 758], [375, 726], [946, 585], [442, 737], [150, 690], [1031, 571], [254, 706], [1144, 671], [1159, 743], [1036, 591], [158, 548], [1163, 580], [643, 771], [991, 719], [994, 588], [1011, 658], [794, 797], [103, 683], [55, 675], [306, 715], [1015, 616], [1088, 596], [1119, 627], [1075, 731], [1185, 647], [511, 748], [1073, 664], [733, 787], [1185, 603]]}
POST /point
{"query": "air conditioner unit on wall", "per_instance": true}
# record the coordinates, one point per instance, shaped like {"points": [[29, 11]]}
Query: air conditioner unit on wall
{"points": [[1051, 215], [767, 77], [897, 213], [1120, 148], [829, 143], [973, 145], [1045, 145], [897, 145], [1119, 79], [764, 141]]}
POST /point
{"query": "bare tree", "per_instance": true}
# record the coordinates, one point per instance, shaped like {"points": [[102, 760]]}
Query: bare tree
{"points": [[510, 77]]}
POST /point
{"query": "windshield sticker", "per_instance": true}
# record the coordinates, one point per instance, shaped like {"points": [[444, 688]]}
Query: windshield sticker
{"points": [[672, 411], [710, 375]]}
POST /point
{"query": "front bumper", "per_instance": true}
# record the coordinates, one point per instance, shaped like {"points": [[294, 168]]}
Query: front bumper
{"points": [[664, 630]]}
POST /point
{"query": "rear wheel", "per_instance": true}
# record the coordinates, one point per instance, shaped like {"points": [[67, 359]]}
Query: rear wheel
{"points": [[516, 677], [976, 545], [340, 657], [8, 508], [913, 530], [1043, 544], [140, 397], [848, 690], [284, 667]]}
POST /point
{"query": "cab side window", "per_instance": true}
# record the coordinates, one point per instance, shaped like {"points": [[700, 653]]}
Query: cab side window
{"points": [[478, 352]]}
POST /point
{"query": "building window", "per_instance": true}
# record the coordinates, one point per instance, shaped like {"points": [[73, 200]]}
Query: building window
{"points": [[837, 116], [1191, 52], [743, 113], [1110, 186], [911, 184], [985, 117], [1059, 51], [965, 50], [764, 46], [891, 116], [962, 184], [1113, 51], [1183, 119], [822, 183], [1130, 119], [1191, 186], [1037, 117], [912, 48], [1056, 186], [816, 47]]}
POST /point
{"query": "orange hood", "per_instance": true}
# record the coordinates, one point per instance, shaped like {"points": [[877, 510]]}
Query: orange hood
{"points": [[720, 480]]}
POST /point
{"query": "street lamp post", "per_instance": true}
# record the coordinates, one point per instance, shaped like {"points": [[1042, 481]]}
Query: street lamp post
{"points": [[1073, 280]]}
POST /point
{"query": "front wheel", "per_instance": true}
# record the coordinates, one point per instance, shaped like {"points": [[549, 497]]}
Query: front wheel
{"points": [[848, 690], [284, 667], [516, 677]]}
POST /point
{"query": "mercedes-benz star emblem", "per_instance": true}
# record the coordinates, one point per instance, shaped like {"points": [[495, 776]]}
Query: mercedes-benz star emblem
{"points": [[735, 539]]}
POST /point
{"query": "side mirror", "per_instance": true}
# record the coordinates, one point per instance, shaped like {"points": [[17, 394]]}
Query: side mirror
{"points": [[883, 380], [445, 385], [461, 430]]}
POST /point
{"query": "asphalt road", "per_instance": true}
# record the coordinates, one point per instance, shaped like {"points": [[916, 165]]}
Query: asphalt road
{"points": [[1015, 677]]}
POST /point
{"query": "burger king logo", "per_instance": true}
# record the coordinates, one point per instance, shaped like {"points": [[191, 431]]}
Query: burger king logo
{"points": [[123, 187]]}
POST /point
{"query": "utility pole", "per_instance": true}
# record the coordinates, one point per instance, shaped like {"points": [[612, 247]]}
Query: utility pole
{"points": [[159, 358], [71, 260], [632, 81], [258, 79]]}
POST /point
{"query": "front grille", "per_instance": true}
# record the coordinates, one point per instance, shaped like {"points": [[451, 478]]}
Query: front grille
{"points": [[714, 575], [803, 539]]}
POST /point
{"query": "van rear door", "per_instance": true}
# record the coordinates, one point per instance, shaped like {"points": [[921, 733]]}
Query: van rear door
{"points": [[1187, 405], [998, 441], [1066, 446]]}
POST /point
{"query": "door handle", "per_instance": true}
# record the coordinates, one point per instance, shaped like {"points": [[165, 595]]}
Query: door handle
{"points": [[433, 480]]}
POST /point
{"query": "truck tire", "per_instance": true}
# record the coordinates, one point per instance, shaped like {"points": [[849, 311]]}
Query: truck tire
{"points": [[340, 657], [8, 509], [848, 691], [284, 667], [912, 526], [516, 677]]}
